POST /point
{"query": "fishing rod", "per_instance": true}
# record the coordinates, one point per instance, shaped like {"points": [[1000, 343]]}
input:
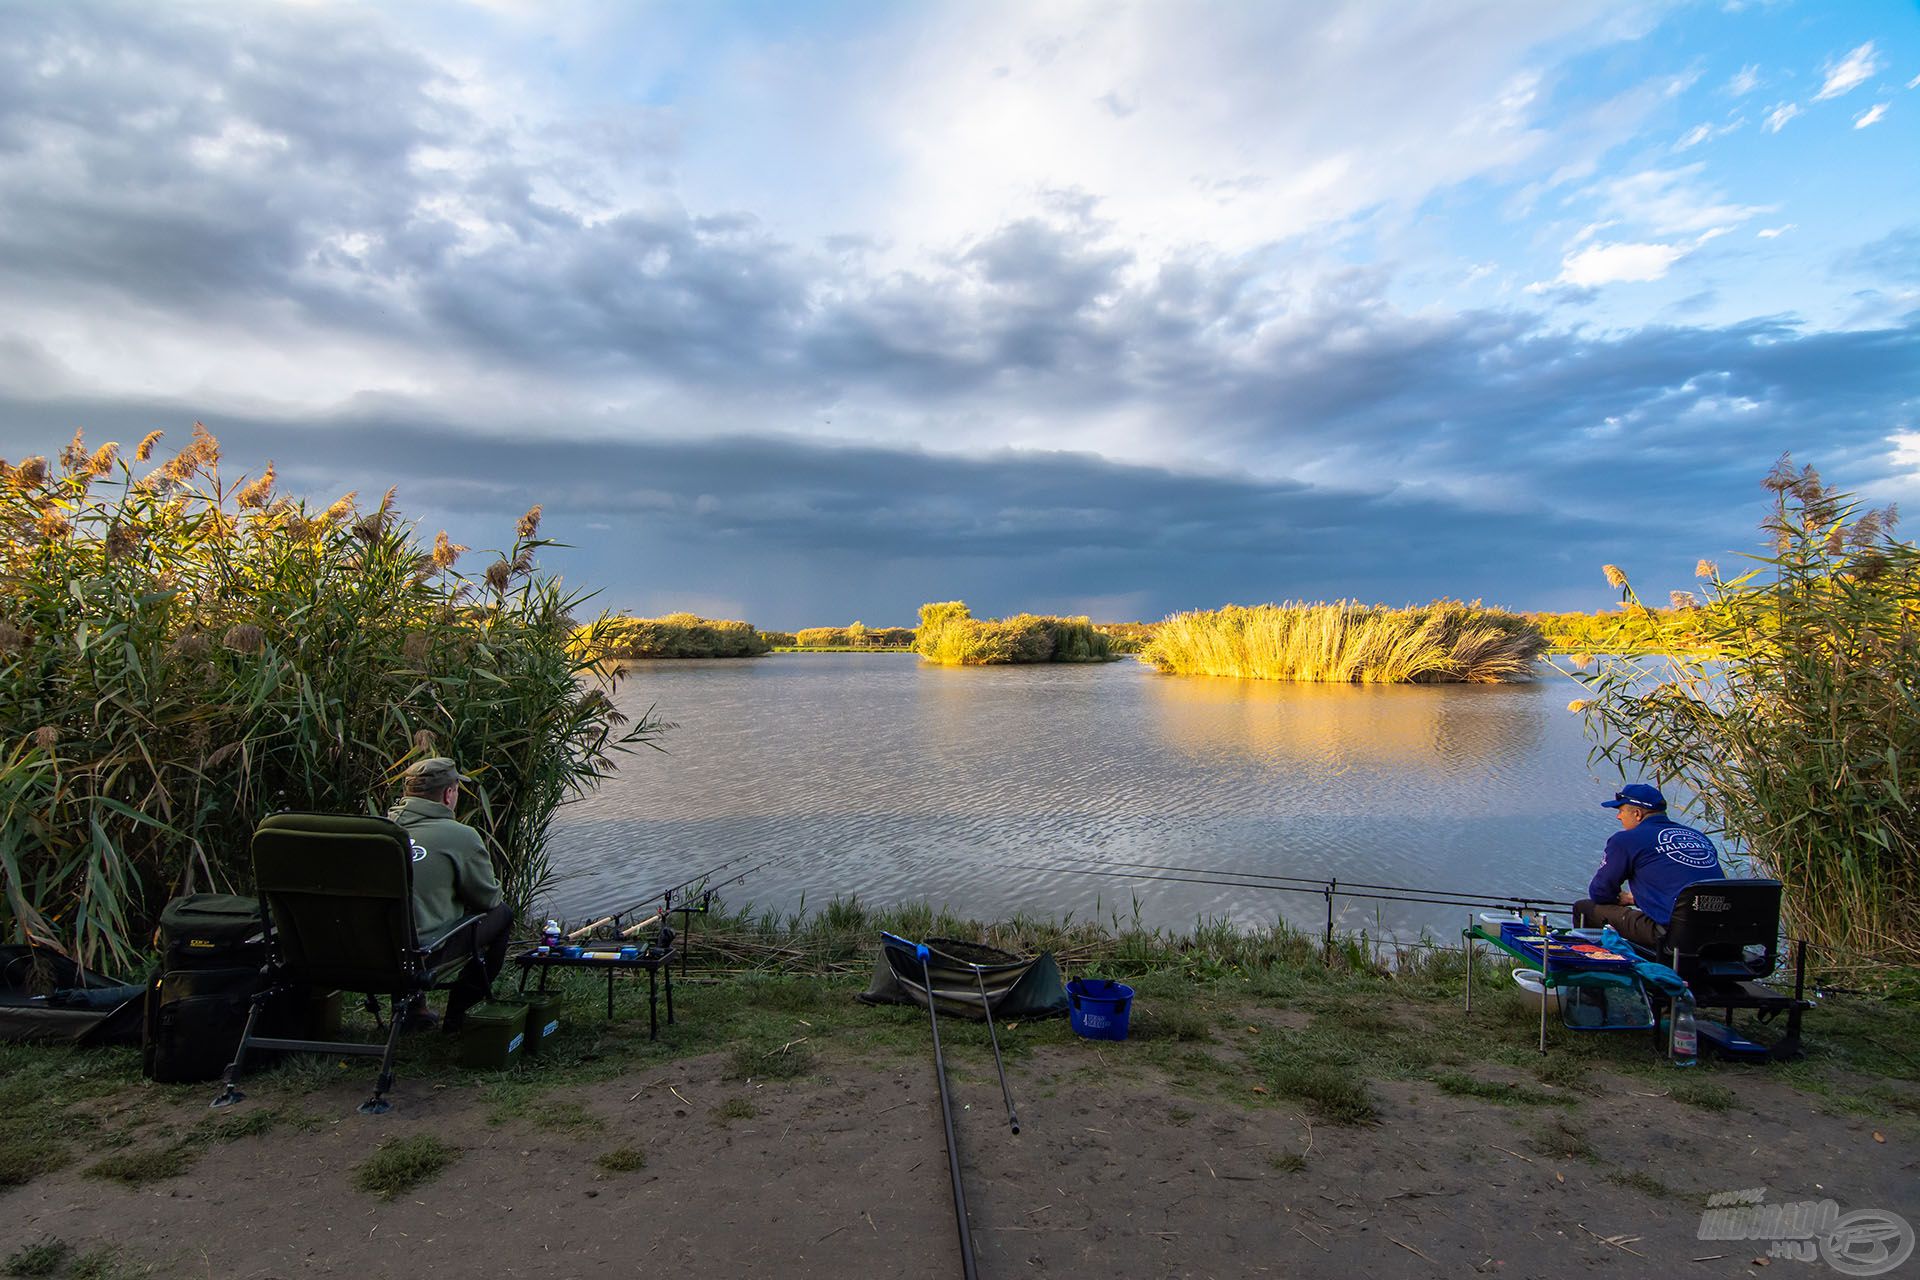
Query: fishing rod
{"points": [[921, 951], [1316, 883], [1323, 888], [666, 896], [986, 1007]]}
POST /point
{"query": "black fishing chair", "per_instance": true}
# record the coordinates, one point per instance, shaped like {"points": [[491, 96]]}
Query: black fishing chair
{"points": [[1724, 938], [337, 894]]}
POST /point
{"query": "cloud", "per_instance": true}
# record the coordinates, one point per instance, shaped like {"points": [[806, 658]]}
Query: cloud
{"points": [[1777, 118], [1872, 115], [1744, 81], [1671, 202], [1617, 263], [1774, 233], [1914, 83], [1894, 257], [1849, 73], [1705, 133]]}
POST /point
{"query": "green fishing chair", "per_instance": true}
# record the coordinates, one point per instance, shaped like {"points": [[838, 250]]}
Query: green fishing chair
{"points": [[337, 894]]}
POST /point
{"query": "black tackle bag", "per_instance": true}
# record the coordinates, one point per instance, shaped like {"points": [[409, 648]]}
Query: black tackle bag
{"points": [[212, 949]]}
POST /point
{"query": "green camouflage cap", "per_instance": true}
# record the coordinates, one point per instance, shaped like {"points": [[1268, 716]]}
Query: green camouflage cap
{"points": [[435, 773]]}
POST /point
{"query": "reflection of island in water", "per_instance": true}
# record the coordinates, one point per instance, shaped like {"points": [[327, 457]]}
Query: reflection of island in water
{"points": [[1336, 728]]}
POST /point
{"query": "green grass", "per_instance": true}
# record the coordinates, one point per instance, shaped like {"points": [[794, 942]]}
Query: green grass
{"points": [[1697, 1090], [1645, 1183], [42, 1259], [1563, 1138], [138, 1168], [785, 1061], [106, 1263], [1319, 1071], [1505, 1092], [733, 1109], [623, 1160], [1288, 1162], [402, 1164]]}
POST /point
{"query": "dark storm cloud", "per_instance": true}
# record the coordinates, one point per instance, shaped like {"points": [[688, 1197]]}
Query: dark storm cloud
{"points": [[282, 163], [872, 532]]}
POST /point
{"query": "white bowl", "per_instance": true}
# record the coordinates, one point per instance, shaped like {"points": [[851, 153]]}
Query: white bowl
{"points": [[1532, 990]]}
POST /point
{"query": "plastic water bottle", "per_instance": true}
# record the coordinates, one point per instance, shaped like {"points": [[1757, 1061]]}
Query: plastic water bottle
{"points": [[1684, 1049], [550, 933]]}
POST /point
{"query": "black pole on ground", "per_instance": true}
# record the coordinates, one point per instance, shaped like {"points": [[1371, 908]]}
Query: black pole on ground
{"points": [[921, 952], [1013, 1117]]}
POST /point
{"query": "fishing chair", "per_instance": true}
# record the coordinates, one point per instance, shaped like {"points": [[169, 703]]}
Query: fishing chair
{"points": [[1723, 939], [336, 891]]}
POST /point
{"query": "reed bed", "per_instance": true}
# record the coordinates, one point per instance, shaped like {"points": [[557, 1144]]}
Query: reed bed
{"points": [[1349, 643], [180, 656], [680, 635], [1795, 725], [949, 635], [857, 636]]}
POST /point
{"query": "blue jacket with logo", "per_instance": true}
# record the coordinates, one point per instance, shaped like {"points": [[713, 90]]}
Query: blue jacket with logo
{"points": [[1660, 857]]}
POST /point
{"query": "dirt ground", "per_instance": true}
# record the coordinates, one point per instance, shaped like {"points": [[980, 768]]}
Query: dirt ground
{"points": [[1117, 1172]]}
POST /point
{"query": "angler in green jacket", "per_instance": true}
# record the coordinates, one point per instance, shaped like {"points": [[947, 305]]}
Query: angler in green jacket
{"points": [[453, 878]]}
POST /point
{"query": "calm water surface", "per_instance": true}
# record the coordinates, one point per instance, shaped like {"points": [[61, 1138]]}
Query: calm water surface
{"points": [[900, 781]]}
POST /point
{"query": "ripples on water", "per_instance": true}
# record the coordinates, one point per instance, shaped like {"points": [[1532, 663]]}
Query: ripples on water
{"points": [[899, 781]]}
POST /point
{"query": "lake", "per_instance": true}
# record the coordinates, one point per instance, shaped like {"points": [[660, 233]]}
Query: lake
{"points": [[995, 790]]}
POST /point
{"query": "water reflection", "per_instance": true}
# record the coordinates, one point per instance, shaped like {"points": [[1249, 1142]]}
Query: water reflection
{"points": [[898, 781]]}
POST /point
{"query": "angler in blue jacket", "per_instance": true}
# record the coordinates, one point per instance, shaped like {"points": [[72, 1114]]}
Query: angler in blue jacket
{"points": [[1648, 862]]}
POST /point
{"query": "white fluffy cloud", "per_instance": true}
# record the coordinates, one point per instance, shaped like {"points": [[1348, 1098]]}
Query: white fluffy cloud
{"points": [[1599, 264], [1872, 115], [1849, 73], [1777, 118]]}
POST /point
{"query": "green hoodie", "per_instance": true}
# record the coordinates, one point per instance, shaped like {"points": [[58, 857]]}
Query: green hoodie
{"points": [[452, 874]]}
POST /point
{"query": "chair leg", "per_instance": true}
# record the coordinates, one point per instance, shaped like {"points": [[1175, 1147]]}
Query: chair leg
{"points": [[229, 1094], [378, 1105]]}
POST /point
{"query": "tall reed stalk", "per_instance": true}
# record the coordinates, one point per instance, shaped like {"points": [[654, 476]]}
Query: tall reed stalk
{"points": [[1800, 733], [179, 657], [1349, 643]]}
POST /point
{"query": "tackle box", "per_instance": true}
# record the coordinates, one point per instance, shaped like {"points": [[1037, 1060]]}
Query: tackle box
{"points": [[494, 1035]]}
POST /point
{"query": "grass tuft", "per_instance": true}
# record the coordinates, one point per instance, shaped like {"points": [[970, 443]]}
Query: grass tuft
{"points": [[149, 1164], [403, 1164], [43, 1259], [1563, 1138], [780, 1062], [1507, 1093], [1697, 1091], [623, 1160], [733, 1109]]}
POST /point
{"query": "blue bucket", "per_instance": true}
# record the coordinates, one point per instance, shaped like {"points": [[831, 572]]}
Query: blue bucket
{"points": [[1098, 1008]]}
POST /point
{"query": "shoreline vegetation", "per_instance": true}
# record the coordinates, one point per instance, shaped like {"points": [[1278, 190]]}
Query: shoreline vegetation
{"points": [[950, 636], [180, 656], [1252, 1019], [1350, 643], [1790, 713]]}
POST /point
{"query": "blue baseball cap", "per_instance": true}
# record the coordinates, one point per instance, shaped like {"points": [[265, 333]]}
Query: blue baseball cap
{"points": [[1636, 793]]}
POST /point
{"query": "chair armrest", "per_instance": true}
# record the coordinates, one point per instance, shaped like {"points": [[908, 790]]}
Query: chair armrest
{"points": [[454, 933]]}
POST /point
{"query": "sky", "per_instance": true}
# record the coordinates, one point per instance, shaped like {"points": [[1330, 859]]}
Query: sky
{"points": [[811, 312]]}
